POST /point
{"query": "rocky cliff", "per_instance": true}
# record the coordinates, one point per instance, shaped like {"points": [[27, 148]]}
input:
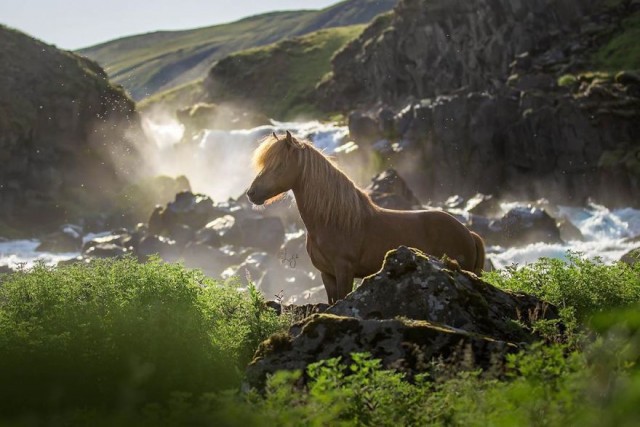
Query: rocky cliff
{"points": [[63, 126], [504, 96]]}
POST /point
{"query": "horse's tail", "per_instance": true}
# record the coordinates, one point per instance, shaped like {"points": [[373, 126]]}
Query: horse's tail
{"points": [[480, 253]]}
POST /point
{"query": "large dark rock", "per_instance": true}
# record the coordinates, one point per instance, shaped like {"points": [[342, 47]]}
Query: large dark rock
{"points": [[428, 48], [162, 246], [389, 190], [212, 261], [479, 106], [251, 231], [67, 239], [417, 286], [403, 345], [416, 309], [523, 225], [192, 210], [363, 129], [64, 134], [632, 257]]}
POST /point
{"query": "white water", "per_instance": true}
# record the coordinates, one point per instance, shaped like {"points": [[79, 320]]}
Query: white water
{"points": [[218, 166]]}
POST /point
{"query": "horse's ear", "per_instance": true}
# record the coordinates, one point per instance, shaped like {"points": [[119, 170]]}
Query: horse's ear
{"points": [[292, 141], [275, 136]]}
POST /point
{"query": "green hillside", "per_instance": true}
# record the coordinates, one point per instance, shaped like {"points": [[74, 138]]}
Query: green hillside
{"points": [[278, 80], [149, 63]]}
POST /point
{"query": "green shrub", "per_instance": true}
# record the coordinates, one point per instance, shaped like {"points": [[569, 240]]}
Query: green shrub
{"points": [[117, 334], [578, 286]]}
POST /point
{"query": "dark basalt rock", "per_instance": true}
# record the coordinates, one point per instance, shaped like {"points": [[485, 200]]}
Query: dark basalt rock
{"points": [[67, 239], [193, 210], [403, 345], [524, 225], [389, 190], [418, 286], [263, 233], [158, 245], [105, 250], [416, 309], [632, 257]]}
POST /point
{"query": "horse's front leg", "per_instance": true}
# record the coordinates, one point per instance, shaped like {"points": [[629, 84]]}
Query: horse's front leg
{"points": [[344, 281], [330, 286]]}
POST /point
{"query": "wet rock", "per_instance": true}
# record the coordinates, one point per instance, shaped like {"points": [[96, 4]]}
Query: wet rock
{"points": [[389, 190], [158, 245], [181, 234], [193, 210], [122, 239], [632, 257], [212, 261], [363, 129], [264, 233], [524, 225], [484, 205], [5, 269], [105, 250], [67, 239], [568, 231]]}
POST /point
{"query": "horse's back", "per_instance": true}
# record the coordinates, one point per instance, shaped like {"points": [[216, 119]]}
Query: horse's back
{"points": [[434, 232]]}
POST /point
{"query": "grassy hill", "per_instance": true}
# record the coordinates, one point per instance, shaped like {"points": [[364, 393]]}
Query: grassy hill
{"points": [[149, 63], [278, 79]]}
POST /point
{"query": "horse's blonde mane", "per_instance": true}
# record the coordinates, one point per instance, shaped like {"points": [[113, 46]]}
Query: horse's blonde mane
{"points": [[330, 195]]}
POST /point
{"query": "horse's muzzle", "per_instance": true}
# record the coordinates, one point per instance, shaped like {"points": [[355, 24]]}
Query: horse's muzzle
{"points": [[254, 197]]}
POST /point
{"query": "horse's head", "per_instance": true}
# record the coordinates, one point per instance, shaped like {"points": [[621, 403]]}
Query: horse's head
{"points": [[277, 161]]}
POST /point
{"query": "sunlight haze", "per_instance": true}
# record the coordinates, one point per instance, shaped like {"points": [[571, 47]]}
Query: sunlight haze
{"points": [[73, 24]]}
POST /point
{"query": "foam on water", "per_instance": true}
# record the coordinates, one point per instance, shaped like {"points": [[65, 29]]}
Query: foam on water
{"points": [[605, 234], [218, 163]]}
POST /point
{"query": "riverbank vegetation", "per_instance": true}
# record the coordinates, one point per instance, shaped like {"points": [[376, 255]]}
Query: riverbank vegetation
{"points": [[116, 342]]}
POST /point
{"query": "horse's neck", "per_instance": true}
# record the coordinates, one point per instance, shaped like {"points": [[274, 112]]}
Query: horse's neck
{"points": [[311, 198]]}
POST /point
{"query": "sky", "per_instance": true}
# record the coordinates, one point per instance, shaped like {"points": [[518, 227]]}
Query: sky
{"points": [[73, 24]]}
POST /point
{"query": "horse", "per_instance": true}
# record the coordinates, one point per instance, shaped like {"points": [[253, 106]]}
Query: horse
{"points": [[348, 235]]}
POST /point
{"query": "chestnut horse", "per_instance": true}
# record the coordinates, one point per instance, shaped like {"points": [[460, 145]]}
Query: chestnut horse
{"points": [[347, 234]]}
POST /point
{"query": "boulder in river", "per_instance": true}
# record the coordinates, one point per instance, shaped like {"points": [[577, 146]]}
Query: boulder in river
{"points": [[67, 239], [389, 190]]}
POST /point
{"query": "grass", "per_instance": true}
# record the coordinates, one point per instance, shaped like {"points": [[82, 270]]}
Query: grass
{"points": [[150, 63], [281, 77], [622, 51], [122, 343]]}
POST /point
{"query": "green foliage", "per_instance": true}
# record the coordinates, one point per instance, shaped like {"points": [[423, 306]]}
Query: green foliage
{"points": [[622, 51], [150, 63], [122, 343], [116, 334], [579, 287], [279, 79]]}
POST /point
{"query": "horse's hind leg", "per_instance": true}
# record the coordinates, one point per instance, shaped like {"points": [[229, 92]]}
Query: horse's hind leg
{"points": [[330, 286]]}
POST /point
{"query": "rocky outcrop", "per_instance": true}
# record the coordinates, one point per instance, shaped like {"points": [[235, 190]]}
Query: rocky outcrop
{"points": [[389, 190], [495, 97], [63, 130], [428, 48], [415, 310]]}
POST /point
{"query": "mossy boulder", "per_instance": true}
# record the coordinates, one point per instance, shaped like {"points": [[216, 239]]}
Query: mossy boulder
{"points": [[414, 310]]}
